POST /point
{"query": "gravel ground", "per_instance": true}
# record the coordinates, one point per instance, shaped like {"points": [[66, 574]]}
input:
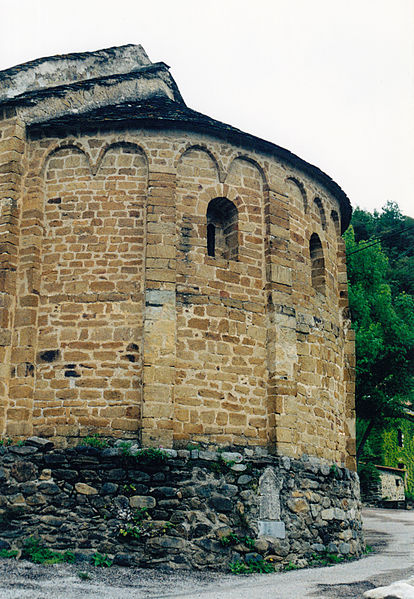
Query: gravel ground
{"points": [[389, 531]]}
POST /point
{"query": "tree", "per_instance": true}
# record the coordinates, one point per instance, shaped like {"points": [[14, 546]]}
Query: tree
{"points": [[384, 327], [396, 233]]}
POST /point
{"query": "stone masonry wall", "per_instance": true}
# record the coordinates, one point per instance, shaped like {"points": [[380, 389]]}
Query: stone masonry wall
{"points": [[82, 498], [124, 325]]}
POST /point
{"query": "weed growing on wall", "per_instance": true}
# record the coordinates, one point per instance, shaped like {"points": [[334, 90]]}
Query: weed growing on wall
{"points": [[35, 551], [96, 441], [100, 560]]}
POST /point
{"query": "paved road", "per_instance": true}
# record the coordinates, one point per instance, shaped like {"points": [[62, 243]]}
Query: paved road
{"points": [[390, 531]]}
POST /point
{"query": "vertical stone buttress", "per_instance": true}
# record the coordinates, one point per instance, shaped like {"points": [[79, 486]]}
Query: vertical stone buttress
{"points": [[348, 358], [159, 344], [14, 413], [281, 335]]}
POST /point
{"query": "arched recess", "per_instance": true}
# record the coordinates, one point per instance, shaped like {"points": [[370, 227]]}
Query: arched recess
{"points": [[66, 156], [222, 229], [318, 274], [108, 157], [320, 211], [198, 153], [247, 173], [336, 222], [298, 192], [198, 162], [62, 150], [91, 304]]}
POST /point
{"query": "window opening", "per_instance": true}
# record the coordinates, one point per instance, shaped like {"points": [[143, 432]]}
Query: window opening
{"points": [[211, 240], [317, 263], [222, 229], [400, 438]]}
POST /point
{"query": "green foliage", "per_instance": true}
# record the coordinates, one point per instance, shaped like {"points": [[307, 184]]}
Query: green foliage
{"points": [[393, 454], [9, 553], [149, 455], [129, 489], [368, 476], [290, 566], [101, 561], [326, 559], [35, 551], [334, 471], [257, 565], [6, 442], [383, 320], [233, 539], [221, 466], [396, 233], [96, 441], [136, 529], [238, 567], [84, 575], [131, 531]]}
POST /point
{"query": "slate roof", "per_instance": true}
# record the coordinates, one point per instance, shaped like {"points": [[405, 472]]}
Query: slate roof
{"points": [[164, 113]]}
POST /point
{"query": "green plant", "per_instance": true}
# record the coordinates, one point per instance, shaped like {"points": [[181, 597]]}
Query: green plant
{"points": [[101, 561], [36, 552], [129, 489], [193, 446], [131, 531], [368, 549], [125, 446], [233, 539], [8, 553], [369, 477], [256, 565], [6, 442], [151, 455], [96, 441], [334, 471], [84, 575], [260, 565], [249, 542], [326, 559], [230, 539], [290, 566], [136, 530], [238, 567], [221, 466]]}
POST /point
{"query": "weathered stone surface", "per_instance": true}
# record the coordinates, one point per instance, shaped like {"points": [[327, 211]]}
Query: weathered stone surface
{"points": [[23, 471], [23, 450], [221, 504], [298, 505], [185, 508], [85, 489], [40, 443], [272, 528], [109, 489], [138, 501]]}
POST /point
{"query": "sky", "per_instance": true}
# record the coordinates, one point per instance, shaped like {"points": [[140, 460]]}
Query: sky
{"points": [[330, 80]]}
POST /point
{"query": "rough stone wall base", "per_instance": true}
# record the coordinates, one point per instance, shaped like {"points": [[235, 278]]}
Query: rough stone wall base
{"points": [[82, 498]]}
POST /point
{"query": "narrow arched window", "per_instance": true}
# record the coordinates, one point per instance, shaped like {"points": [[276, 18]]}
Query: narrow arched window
{"points": [[317, 263], [222, 229], [211, 239], [335, 220]]}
